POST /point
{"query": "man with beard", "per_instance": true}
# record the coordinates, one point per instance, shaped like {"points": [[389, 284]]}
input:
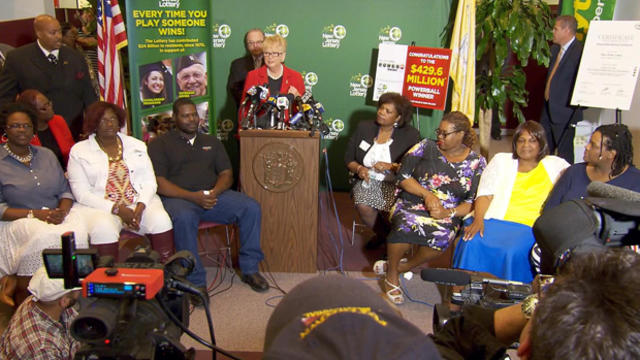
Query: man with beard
{"points": [[240, 67], [40, 327], [194, 175]]}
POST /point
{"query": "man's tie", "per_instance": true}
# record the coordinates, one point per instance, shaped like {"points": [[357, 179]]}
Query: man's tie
{"points": [[553, 72], [52, 59]]}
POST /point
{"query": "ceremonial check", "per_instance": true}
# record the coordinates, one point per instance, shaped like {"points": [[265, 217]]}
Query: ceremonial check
{"points": [[609, 66]]}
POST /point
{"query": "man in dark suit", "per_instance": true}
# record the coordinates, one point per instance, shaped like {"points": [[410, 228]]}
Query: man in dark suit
{"points": [[57, 71], [240, 67], [558, 116]]}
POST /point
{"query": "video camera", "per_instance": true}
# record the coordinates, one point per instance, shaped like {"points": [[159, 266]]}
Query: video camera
{"points": [[609, 217], [477, 290], [139, 309]]}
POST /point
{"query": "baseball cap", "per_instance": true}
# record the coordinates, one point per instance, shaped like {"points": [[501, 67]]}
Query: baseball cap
{"points": [[335, 317], [44, 288]]}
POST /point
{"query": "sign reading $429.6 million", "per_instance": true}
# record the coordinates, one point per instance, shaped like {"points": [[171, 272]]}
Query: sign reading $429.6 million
{"points": [[426, 76]]}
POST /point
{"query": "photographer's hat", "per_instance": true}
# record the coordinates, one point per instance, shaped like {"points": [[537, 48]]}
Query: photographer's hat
{"points": [[44, 288], [334, 317]]}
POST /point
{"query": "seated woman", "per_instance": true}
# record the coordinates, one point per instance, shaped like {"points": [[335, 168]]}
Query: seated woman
{"points": [[608, 158], [153, 91], [439, 182], [279, 79], [112, 179], [372, 157], [52, 131], [36, 205], [512, 190]]}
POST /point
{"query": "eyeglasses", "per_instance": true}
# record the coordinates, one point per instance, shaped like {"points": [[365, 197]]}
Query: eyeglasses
{"points": [[445, 134], [20, 126], [272, 53], [254, 43]]}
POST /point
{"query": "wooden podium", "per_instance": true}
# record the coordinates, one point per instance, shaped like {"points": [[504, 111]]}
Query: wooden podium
{"points": [[279, 168]]}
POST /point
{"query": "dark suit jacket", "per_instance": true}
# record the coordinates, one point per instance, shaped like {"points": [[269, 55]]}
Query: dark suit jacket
{"points": [[403, 139], [67, 84], [240, 67], [561, 88]]}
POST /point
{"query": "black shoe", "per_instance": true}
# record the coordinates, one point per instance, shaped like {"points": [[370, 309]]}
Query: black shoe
{"points": [[196, 300], [256, 281]]}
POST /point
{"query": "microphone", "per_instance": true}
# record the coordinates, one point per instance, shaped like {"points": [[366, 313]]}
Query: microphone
{"points": [[252, 91], [306, 97], [282, 103], [602, 190], [264, 91]]}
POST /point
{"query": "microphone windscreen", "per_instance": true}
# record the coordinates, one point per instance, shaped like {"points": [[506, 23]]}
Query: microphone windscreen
{"points": [[602, 190]]}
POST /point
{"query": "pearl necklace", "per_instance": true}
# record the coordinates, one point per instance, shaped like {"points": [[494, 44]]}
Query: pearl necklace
{"points": [[271, 75], [111, 158], [23, 159]]}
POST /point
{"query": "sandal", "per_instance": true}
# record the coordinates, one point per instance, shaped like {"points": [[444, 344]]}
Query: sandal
{"points": [[380, 266], [397, 299]]}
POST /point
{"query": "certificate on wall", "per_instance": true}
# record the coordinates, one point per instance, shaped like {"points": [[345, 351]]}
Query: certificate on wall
{"points": [[609, 66]]}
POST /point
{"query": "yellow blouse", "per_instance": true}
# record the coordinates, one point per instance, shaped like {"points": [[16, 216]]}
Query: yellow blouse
{"points": [[530, 190]]}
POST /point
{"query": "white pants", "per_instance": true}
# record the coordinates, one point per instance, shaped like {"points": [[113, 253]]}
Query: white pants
{"points": [[22, 241], [104, 227]]}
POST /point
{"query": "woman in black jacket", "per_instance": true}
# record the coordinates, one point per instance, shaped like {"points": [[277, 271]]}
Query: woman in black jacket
{"points": [[372, 157]]}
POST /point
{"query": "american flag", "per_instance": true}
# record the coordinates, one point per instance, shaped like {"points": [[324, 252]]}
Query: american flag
{"points": [[111, 38]]}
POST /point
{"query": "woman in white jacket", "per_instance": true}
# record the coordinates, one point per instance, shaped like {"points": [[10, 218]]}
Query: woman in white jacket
{"points": [[112, 179], [510, 197]]}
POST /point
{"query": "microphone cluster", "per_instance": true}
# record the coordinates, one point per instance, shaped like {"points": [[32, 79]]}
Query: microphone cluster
{"points": [[282, 112]]}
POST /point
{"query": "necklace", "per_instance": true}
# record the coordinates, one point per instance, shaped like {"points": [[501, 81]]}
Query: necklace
{"points": [[272, 75], [111, 158], [23, 159]]}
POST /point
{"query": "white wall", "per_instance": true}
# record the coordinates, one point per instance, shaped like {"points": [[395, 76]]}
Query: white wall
{"points": [[24, 9]]}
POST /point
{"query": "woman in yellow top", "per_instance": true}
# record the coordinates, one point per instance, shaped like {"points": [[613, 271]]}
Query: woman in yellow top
{"points": [[510, 196]]}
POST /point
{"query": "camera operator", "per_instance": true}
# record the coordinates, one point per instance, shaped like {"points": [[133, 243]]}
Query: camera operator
{"points": [[591, 311], [40, 327]]}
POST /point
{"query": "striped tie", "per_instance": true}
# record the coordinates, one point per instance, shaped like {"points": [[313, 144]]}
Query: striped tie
{"points": [[553, 72]]}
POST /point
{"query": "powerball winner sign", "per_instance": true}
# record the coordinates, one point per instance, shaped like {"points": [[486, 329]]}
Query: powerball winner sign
{"points": [[421, 74]]}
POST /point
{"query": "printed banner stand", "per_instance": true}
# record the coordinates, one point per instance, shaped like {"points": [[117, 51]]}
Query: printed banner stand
{"points": [[420, 73]]}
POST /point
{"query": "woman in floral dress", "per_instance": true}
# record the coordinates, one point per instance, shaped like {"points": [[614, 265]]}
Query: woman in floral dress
{"points": [[438, 182]]}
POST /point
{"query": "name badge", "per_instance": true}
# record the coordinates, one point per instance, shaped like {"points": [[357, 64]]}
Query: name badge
{"points": [[364, 145], [206, 148]]}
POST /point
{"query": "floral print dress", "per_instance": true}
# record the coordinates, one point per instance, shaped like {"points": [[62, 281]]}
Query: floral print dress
{"points": [[452, 183]]}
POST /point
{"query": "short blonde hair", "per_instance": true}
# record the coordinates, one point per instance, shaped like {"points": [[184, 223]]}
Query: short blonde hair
{"points": [[274, 41]]}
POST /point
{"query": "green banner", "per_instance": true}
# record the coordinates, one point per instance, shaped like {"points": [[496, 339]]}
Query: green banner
{"points": [[586, 10], [169, 54]]}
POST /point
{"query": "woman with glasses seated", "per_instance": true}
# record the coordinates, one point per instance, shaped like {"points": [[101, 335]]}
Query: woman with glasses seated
{"points": [[52, 131], [372, 157], [512, 191], [438, 180], [36, 205], [279, 79]]}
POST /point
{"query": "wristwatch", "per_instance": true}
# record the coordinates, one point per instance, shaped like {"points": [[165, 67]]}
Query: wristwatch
{"points": [[528, 306]]}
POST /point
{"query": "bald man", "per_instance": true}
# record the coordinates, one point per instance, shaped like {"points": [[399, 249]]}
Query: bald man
{"points": [[57, 71]]}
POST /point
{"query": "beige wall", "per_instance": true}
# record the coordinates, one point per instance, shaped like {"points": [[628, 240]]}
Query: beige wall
{"points": [[24, 9]]}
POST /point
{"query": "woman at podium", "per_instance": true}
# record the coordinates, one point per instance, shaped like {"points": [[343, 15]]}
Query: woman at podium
{"points": [[372, 157]]}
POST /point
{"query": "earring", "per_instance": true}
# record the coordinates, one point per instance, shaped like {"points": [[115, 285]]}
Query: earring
{"points": [[4, 138], [395, 124]]}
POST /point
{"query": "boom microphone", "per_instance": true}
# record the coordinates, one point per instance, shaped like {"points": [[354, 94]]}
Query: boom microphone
{"points": [[603, 190], [446, 277]]}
